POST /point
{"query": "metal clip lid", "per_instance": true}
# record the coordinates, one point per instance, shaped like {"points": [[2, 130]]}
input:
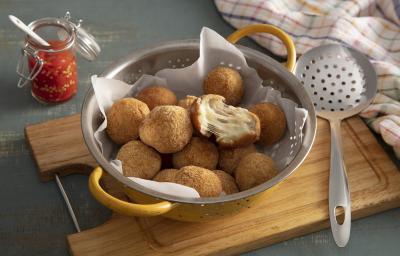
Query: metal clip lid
{"points": [[86, 44]]}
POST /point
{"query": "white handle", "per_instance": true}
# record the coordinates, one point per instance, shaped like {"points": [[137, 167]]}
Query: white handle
{"points": [[339, 194], [27, 30]]}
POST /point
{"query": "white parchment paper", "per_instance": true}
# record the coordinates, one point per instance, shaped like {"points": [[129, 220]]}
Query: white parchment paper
{"points": [[214, 51]]}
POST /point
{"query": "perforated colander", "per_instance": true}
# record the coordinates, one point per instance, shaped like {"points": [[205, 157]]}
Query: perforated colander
{"points": [[178, 54], [341, 82]]}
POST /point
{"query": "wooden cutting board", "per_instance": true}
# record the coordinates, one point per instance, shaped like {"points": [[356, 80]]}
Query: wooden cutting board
{"points": [[297, 207]]}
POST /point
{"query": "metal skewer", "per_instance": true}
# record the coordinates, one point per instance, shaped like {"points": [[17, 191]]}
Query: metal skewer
{"points": [[68, 203]]}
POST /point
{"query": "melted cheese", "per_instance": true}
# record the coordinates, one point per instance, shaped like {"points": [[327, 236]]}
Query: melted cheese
{"points": [[226, 122]]}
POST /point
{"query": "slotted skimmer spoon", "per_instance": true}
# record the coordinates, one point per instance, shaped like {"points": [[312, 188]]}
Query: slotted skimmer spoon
{"points": [[341, 82]]}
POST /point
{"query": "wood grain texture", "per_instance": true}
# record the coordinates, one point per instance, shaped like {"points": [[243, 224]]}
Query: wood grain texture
{"points": [[58, 147], [298, 206]]}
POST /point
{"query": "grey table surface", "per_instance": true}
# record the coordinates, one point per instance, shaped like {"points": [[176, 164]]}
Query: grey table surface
{"points": [[33, 217]]}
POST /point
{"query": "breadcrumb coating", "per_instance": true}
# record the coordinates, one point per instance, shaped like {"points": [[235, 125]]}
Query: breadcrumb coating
{"points": [[199, 152], [204, 181], [168, 129], [254, 169], [226, 82], [124, 118], [155, 96], [139, 160]]}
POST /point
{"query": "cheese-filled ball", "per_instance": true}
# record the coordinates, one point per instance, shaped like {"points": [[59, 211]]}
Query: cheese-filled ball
{"points": [[204, 181], [254, 169], [187, 102], [228, 183], [272, 122], [166, 175], [168, 129], [124, 118], [139, 160], [226, 82], [229, 158], [199, 152], [155, 96]]}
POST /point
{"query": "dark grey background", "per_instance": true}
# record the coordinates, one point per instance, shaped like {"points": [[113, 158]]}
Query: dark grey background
{"points": [[33, 217]]}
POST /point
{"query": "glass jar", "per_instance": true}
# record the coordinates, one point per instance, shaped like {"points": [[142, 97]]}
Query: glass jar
{"points": [[53, 69]]}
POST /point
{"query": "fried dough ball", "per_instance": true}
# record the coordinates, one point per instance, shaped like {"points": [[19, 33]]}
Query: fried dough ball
{"points": [[199, 152], [204, 181], [139, 160], [229, 158], [187, 102], [166, 175], [226, 82], [232, 126], [254, 169], [167, 129], [272, 122], [155, 96], [124, 118], [227, 181]]}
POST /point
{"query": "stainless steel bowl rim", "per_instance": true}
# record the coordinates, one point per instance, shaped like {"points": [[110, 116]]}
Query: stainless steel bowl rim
{"points": [[116, 67]]}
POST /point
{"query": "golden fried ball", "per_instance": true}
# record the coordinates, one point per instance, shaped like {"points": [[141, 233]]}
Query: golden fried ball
{"points": [[187, 102], [155, 96], [168, 129], [254, 169], [139, 160], [226, 82], [204, 181], [229, 158], [272, 122], [199, 152], [124, 118], [228, 183], [166, 175]]}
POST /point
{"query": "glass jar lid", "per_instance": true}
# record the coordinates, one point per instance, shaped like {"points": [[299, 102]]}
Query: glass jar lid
{"points": [[85, 44]]}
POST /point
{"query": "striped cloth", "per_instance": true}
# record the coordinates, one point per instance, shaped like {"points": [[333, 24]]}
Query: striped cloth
{"points": [[370, 26]]}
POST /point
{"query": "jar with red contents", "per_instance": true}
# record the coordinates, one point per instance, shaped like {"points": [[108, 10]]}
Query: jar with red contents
{"points": [[53, 69]]}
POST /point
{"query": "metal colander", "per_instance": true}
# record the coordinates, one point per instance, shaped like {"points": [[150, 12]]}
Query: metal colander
{"points": [[178, 54]]}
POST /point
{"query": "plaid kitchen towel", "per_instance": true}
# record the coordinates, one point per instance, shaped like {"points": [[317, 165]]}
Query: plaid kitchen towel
{"points": [[370, 26]]}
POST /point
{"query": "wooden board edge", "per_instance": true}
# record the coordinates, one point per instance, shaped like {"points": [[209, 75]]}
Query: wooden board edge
{"points": [[234, 249], [301, 230], [47, 174]]}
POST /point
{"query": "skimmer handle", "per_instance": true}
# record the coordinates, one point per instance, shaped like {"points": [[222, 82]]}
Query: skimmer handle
{"points": [[339, 194]]}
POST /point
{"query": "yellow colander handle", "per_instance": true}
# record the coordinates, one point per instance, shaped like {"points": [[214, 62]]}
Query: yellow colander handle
{"points": [[120, 206], [263, 28]]}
